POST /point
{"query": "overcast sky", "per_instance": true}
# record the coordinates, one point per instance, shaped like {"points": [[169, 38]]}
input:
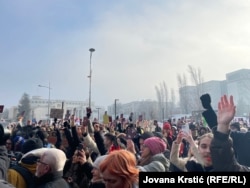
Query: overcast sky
{"points": [[139, 44]]}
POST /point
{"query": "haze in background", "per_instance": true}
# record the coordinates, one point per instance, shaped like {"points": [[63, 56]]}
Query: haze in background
{"points": [[139, 44]]}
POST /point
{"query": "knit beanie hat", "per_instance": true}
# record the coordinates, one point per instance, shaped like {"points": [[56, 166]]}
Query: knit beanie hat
{"points": [[155, 144], [146, 135], [31, 144], [158, 134], [166, 125], [42, 134], [98, 161]]}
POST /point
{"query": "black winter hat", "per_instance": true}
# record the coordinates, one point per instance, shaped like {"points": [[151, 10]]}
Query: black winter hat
{"points": [[31, 144], [158, 134], [146, 135], [42, 134]]}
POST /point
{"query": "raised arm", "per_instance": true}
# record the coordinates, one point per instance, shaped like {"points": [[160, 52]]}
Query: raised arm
{"points": [[223, 156], [226, 112]]}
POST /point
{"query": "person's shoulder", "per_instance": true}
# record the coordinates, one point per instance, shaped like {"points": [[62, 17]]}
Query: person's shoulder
{"points": [[240, 134], [155, 166], [60, 182]]}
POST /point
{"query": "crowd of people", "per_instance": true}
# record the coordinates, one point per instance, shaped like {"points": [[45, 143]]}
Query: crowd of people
{"points": [[112, 154]]}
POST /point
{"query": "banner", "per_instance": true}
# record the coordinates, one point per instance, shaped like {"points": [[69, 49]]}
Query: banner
{"points": [[56, 113]]}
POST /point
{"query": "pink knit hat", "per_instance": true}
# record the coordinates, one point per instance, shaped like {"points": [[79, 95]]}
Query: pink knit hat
{"points": [[166, 125], [155, 144]]}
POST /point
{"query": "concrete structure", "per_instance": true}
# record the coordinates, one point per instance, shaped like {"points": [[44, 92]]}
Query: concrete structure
{"points": [[236, 84], [147, 108], [215, 89], [39, 108]]}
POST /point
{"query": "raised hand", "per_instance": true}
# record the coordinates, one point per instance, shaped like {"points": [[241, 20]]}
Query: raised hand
{"points": [[226, 112], [131, 146], [81, 157]]}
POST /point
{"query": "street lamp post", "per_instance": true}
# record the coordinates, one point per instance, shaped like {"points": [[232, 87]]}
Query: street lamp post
{"points": [[49, 88], [115, 107], [163, 115], [90, 75]]}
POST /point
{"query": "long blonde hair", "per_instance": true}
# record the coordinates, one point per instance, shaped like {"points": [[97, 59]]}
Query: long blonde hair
{"points": [[209, 135]]}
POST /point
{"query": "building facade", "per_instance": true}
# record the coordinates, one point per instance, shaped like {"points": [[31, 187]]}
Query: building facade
{"points": [[237, 83], [41, 108]]}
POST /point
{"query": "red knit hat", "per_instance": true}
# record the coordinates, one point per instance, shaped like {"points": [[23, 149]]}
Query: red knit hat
{"points": [[166, 125], [155, 144]]}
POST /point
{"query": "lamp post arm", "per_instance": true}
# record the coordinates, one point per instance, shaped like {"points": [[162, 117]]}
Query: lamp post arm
{"points": [[49, 88]]}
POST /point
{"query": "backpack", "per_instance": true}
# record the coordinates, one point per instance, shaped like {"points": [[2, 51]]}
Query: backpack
{"points": [[26, 174]]}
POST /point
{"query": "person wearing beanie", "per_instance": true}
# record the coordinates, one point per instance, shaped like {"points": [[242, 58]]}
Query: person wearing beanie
{"points": [[155, 145], [15, 177], [158, 134], [30, 144], [97, 181], [166, 126], [152, 157], [168, 134], [143, 137]]}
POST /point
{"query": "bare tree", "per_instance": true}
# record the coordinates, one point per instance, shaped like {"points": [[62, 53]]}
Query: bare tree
{"points": [[160, 98], [172, 102], [184, 99], [24, 106], [166, 106], [197, 80], [182, 80]]}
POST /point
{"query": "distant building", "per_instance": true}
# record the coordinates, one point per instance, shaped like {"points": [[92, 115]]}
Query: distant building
{"points": [[39, 108], [236, 84]]}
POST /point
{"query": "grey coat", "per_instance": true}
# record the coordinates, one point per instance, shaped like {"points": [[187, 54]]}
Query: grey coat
{"points": [[159, 163], [4, 162]]}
